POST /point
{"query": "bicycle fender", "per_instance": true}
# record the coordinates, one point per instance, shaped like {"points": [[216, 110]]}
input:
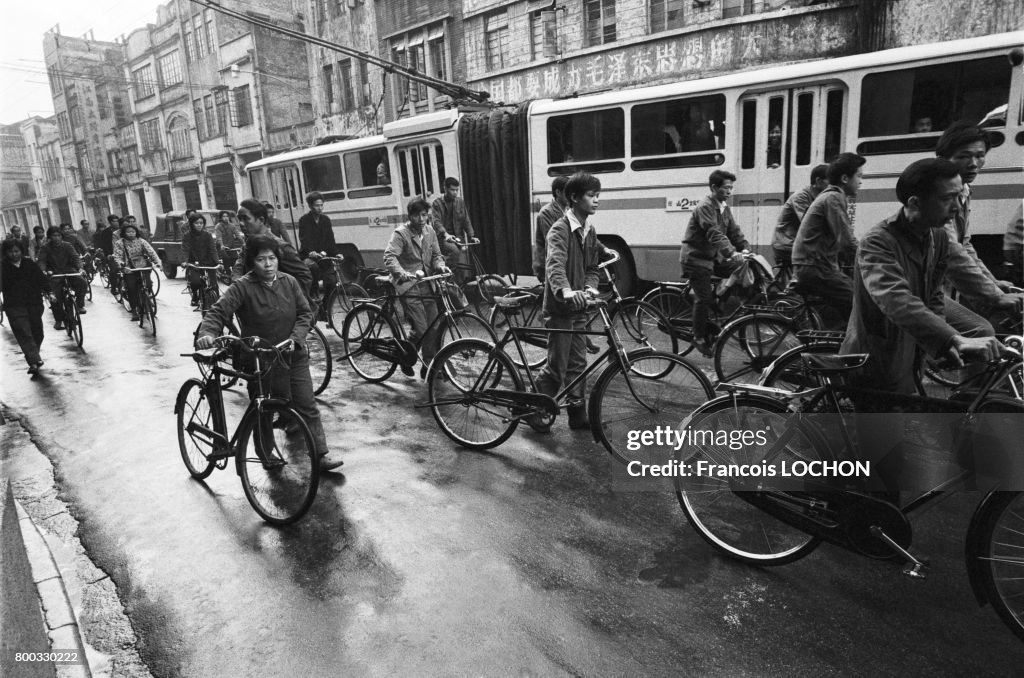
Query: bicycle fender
{"points": [[973, 547], [179, 400]]}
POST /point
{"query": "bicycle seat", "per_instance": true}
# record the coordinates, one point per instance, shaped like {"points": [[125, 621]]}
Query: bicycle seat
{"points": [[519, 289], [834, 364], [510, 301]]}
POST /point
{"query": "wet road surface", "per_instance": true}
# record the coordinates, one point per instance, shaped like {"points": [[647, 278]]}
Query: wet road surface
{"points": [[425, 559]]}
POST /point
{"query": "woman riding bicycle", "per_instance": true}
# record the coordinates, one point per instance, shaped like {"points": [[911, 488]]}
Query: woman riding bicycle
{"points": [[131, 251], [198, 247], [271, 304]]}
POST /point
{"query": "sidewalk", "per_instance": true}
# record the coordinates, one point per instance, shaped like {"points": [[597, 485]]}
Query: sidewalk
{"points": [[81, 612]]}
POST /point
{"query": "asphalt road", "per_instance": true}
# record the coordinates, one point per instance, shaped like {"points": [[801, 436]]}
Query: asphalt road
{"points": [[428, 560]]}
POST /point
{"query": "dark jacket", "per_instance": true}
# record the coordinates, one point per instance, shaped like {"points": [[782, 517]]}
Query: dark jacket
{"points": [[104, 239], [546, 218], [898, 302], [289, 263], [59, 258], [571, 263], [712, 234], [789, 219], [825, 232], [451, 218], [316, 234], [199, 248], [23, 285]]}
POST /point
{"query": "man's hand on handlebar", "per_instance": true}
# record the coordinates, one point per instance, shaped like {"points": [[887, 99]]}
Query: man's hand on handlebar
{"points": [[205, 341], [980, 349]]}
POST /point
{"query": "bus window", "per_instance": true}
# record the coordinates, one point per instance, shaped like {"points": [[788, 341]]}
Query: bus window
{"points": [[258, 184], [324, 175], [804, 127], [592, 136], [687, 125], [403, 158], [417, 175], [774, 132], [426, 163], [929, 98], [749, 134], [439, 151], [833, 123], [367, 173]]}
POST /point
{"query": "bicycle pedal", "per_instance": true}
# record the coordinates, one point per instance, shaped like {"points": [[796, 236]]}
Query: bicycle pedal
{"points": [[218, 455]]}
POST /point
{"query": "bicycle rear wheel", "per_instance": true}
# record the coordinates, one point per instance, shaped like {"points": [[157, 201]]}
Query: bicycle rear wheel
{"points": [[320, 364], [789, 372], [750, 344], [996, 563], [466, 325], [367, 324], [343, 299], [713, 504], [459, 378], [677, 306], [277, 462], [535, 346], [487, 288], [660, 389], [195, 421], [74, 326]]}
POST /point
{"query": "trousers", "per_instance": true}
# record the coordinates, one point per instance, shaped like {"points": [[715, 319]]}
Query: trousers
{"points": [[292, 382], [27, 326], [567, 356]]}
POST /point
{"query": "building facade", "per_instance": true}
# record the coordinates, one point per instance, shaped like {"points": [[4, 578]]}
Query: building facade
{"points": [[17, 193], [46, 161]]}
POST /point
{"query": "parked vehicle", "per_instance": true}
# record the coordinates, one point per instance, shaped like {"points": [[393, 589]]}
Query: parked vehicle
{"points": [[167, 238]]}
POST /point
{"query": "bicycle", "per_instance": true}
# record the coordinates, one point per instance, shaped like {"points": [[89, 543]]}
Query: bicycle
{"points": [[208, 291], [642, 325], [376, 343], [224, 274], [343, 297], [274, 451], [145, 299], [88, 272], [478, 396], [477, 285], [67, 298], [751, 520]]}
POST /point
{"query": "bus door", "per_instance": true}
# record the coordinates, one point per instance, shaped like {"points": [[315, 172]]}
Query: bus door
{"points": [[287, 196], [421, 170]]}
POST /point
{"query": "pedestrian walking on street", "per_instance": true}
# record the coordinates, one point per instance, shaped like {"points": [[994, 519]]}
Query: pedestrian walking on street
{"points": [[23, 284]]}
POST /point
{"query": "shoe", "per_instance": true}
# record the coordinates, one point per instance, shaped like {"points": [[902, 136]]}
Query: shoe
{"points": [[592, 348], [407, 370], [329, 463], [58, 325], [578, 418], [703, 348], [135, 317], [81, 311], [33, 369]]}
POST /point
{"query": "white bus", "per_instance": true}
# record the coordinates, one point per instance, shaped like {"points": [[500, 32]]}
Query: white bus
{"points": [[654, 147]]}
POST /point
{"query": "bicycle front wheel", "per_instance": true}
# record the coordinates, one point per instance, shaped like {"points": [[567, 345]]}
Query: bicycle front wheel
{"points": [[641, 325], [660, 389], [342, 300], [712, 504], [460, 386], [74, 325], [367, 326], [750, 344], [147, 311], [278, 464], [195, 422], [535, 346], [466, 325], [999, 556], [677, 306], [320, 363]]}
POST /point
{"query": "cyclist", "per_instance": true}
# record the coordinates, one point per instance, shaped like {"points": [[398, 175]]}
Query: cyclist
{"points": [[792, 213], [898, 304], [253, 217], [412, 251], [132, 251], [23, 284], [199, 248], [272, 304], [276, 225], [229, 237], [713, 243], [36, 243], [316, 236], [57, 256], [571, 275], [67, 233], [450, 218]]}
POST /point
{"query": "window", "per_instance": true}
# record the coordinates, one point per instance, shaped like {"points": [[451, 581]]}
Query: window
{"points": [[64, 126], [929, 98], [170, 69], [592, 137], [242, 106], [687, 126], [121, 117], [142, 79], [328, 84], [126, 136], [734, 8], [773, 151], [496, 37], [418, 61], [424, 50], [75, 113], [438, 58], [833, 123], [348, 99], [211, 39], [25, 191], [324, 175], [149, 131], [804, 127], [191, 50], [56, 84], [599, 20], [748, 152], [220, 100], [364, 86], [211, 119], [367, 173], [178, 135], [197, 111], [666, 15], [536, 35], [131, 159], [114, 163], [102, 102]]}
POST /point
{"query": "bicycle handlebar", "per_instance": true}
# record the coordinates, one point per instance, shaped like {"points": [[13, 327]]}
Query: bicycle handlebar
{"points": [[79, 274], [139, 270], [218, 267], [615, 256], [464, 243]]}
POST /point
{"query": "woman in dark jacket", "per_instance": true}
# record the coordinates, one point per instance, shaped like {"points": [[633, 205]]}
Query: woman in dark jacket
{"points": [[199, 248], [23, 284]]}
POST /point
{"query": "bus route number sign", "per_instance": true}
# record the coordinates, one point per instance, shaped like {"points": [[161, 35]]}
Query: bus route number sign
{"points": [[378, 221], [680, 204]]}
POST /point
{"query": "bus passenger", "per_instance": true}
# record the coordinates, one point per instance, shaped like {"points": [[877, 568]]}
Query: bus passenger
{"points": [[414, 250], [316, 240], [922, 124], [571, 276], [547, 216], [792, 214], [713, 244], [826, 233]]}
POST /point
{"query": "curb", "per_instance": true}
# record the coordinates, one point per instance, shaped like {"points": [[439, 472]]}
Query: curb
{"points": [[58, 613]]}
